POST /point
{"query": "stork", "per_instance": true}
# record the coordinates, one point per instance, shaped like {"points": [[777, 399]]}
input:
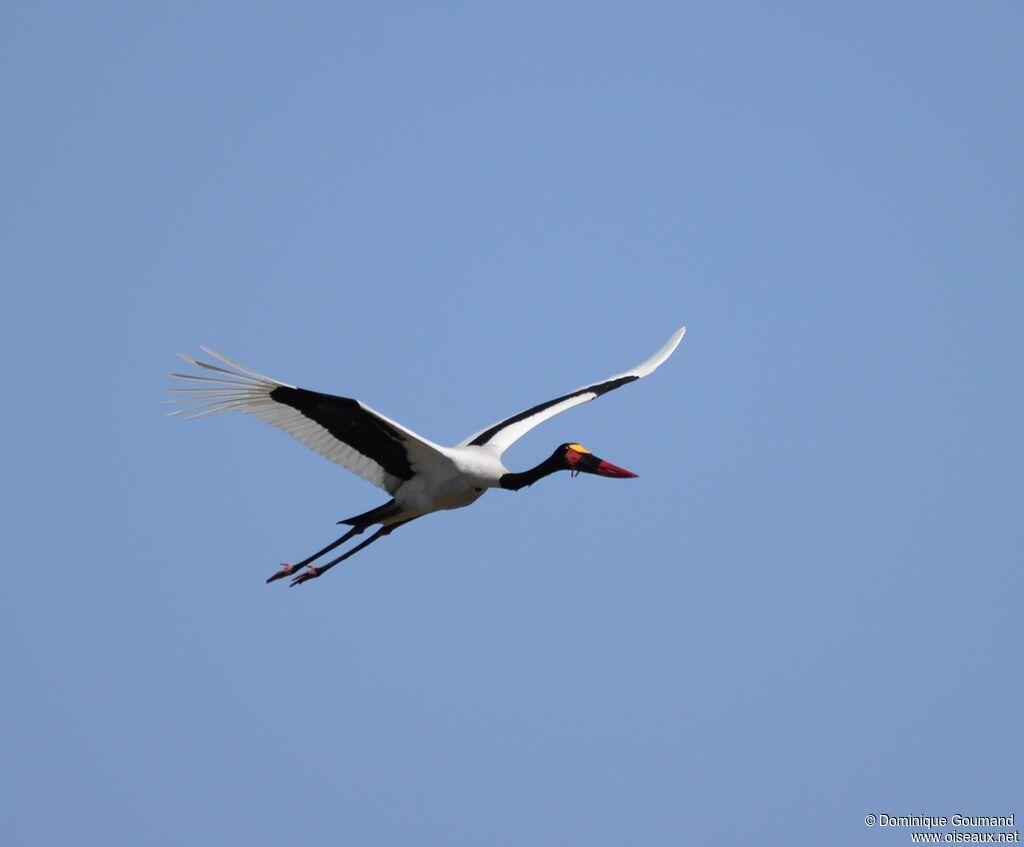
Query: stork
{"points": [[421, 476]]}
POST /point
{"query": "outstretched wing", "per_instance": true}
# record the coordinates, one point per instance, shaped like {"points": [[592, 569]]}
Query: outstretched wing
{"points": [[503, 434], [341, 429]]}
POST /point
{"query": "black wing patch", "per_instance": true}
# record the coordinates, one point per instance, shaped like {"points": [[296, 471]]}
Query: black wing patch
{"points": [[350, 423], [597, 390]]}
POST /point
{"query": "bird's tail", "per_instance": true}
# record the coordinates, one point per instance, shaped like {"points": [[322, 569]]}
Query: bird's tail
{"points": [[378, 515]]}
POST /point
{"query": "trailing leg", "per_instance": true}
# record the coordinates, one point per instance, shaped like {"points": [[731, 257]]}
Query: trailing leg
{"points": [[287, 569], [313, 572]]}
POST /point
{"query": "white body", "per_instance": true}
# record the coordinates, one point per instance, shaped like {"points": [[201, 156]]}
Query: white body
{"points": [[460, 481]]}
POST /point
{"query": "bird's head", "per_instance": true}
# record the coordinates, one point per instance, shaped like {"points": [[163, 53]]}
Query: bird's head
{"points": [[578, 459]]}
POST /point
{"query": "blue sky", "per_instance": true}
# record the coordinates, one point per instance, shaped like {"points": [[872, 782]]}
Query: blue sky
{"points": [[807, 607]]}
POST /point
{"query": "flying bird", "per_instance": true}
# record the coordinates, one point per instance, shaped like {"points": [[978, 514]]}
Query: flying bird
{"points": [[421, 476]]}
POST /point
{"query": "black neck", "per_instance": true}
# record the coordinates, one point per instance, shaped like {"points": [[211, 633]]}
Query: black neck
{"points": [[515, 481]]}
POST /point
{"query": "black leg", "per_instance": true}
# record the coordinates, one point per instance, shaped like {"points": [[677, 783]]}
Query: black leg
{"points": [[313, 572], [288, 569]]}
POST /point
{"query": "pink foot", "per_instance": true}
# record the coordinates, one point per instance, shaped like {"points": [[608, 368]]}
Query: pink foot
{"points": [[305, 576], [287, 569]]}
